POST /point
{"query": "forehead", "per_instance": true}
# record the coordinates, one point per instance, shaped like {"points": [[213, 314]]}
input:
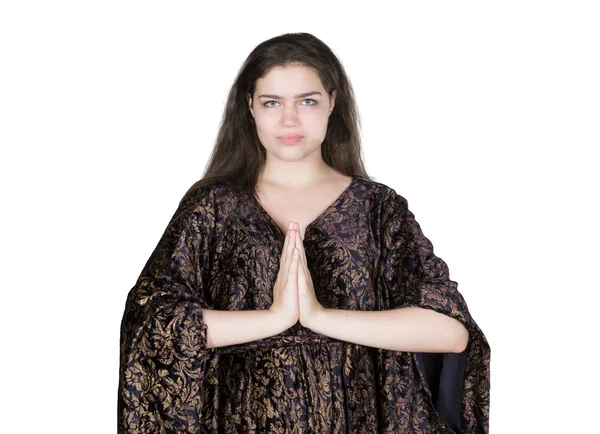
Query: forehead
{"points": [[289, 79]]}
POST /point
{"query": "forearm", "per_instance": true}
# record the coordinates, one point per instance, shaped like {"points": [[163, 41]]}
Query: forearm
{"points": [[230, 327], [410, 329]]}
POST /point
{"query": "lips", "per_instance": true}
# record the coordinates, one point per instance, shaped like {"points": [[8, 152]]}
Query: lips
{"points": [[290, 138]]}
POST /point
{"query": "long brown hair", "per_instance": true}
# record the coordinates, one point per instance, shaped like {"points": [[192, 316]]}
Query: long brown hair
{"points": [[238, 155]]}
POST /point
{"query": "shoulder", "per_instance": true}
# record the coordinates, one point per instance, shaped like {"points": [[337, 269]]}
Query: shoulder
{"points": [[209, 199], [198, 202], [384, 197]]}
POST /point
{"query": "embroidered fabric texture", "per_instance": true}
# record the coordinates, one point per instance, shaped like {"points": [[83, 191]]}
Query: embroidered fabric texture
{"points": [[221, 251]]}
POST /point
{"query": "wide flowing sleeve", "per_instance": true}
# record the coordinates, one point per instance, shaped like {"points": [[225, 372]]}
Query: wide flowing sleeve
{"points": [[163, 335], [412, 275]]}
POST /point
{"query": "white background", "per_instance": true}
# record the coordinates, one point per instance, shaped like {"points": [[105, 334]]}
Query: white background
{"points": [[485, 116]]}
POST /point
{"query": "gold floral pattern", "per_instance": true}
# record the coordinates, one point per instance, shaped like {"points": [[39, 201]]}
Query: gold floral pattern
{"points": [[221, 251]]}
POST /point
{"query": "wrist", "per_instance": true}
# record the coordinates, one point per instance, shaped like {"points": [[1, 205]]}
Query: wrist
{"points": [[317, 320], [281, 320]]}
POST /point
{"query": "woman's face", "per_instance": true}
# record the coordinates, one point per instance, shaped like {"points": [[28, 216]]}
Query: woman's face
{"points": [[291, 100]]}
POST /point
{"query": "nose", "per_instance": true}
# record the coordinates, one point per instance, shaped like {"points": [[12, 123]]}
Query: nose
{"points": [[289, 115]]}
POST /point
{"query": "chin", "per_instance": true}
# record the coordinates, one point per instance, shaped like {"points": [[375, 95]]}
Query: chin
{"points": [[289, 158], [298, 148]]}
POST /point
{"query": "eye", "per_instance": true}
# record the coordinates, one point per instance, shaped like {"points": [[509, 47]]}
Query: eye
{"points": [[268, 103]]}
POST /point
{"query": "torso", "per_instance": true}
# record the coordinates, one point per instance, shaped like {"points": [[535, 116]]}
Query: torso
{"points": [[304, 206]]}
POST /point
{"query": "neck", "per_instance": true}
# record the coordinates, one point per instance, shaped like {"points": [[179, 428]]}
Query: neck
{"points": [[297, 174]]}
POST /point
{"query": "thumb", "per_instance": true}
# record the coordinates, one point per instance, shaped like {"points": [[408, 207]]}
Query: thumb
{"points": [[301, 277], [293, 270]]}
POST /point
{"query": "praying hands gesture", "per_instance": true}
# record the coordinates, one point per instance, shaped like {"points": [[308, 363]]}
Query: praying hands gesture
{"points": [[416, 329], [294, 294]]}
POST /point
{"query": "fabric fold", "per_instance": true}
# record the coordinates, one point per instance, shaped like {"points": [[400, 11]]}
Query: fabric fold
{"points": [[163, 334], [458, 384]]}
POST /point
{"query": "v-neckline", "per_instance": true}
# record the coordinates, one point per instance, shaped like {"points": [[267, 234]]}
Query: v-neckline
{"points": [[331, 206]]}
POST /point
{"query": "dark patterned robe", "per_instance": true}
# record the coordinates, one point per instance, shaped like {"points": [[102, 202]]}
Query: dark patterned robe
{"points": [[366, 251]]}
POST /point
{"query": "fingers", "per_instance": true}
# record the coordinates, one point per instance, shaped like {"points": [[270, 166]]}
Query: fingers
{"points": [[286, 257], [302, 256], [301, 276], [286, 242], [288, 247], [293, 270]]}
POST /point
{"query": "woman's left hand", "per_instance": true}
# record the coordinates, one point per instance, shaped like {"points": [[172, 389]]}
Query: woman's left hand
{"points": [[308, 305]]}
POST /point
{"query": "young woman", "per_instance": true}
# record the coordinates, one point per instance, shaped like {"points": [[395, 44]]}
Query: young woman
{"points": [[290, 292]]}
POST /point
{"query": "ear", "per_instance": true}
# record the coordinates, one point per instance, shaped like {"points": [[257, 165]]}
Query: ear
{"points": [[250, 102], [332, 100]]}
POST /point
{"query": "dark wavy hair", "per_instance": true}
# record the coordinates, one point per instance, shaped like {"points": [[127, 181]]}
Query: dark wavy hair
{"points": [[238, 155]]}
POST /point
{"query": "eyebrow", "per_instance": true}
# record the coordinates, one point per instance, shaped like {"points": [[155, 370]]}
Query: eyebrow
{"points": [[301, 95]]}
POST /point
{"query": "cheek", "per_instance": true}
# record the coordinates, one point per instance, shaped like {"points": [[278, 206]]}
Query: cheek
{"points": [[318, 125], [266, 130], [265, 122]]}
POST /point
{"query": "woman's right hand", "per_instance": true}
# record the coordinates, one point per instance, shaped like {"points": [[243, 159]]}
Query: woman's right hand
{"points": [[285, 291]]}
